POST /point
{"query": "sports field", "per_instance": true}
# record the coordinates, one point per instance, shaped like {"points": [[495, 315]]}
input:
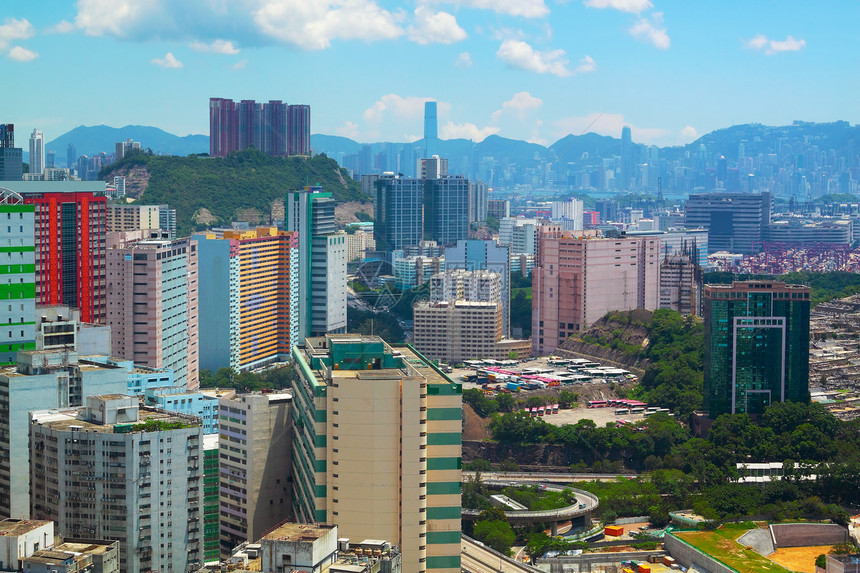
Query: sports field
{"points": [[800, 559], [720, 544]]}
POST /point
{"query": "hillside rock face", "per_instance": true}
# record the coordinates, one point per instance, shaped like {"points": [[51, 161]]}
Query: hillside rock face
{"points": [[136, 179]]}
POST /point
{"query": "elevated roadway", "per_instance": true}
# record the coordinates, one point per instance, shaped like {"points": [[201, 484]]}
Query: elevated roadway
{"points": [[585, 504]]}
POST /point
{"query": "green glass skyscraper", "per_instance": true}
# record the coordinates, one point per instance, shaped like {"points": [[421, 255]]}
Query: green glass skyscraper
{"points": [[756, 346]]}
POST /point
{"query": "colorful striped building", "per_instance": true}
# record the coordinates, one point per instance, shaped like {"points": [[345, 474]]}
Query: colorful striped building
{"points": [[248, 297]]}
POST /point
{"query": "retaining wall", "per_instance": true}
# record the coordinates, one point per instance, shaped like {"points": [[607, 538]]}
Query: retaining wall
{"points": [[688, 555], [805, 534]]}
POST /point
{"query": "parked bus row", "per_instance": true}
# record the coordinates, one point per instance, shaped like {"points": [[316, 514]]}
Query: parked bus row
{"points": [[541, 410]]}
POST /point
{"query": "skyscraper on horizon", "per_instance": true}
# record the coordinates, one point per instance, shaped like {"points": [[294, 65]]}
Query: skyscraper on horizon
{"points": [[626, 158], [431, 135], [37, 151], [756, 346]]}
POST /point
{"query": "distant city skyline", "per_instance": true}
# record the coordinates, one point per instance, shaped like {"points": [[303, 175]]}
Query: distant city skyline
{"points": [[532, 69]]}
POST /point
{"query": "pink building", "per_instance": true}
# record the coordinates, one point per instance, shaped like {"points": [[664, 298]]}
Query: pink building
{"points": [[580, 277], [152, 305]]}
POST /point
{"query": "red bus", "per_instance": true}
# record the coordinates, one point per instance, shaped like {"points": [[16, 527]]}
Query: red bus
{"points": [[598, 404]]}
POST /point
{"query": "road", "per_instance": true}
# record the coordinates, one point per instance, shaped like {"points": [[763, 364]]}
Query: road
{"points": [[475, 558], [546, 477]]}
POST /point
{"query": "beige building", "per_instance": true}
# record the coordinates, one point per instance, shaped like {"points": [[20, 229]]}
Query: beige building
{"points": [[255, 436], [580, 277], [464, 319], [357, 243], [459, 330], [377, 444], [131, 218]]}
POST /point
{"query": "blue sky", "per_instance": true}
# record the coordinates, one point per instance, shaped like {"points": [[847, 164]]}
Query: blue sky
{"points": [[525, 69]]}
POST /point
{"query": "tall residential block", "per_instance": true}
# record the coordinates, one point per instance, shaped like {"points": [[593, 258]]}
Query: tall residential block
{"points": [[478, 201], [475, 255], [211, 497], [321, 261], [69, 223], [681, 284], [736, 222], [580, 278], [756, 346], [275, 128], [255, 466], [18, 264], [11, 157], [153, 305], [123, 148], [377, 447], [41, 379], [37, 152], [250, 298], [115, 470]]}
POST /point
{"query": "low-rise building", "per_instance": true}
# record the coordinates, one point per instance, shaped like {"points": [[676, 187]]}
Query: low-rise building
{"points": [[413, 271], [20, 538], [75, 556], [178, 399]]}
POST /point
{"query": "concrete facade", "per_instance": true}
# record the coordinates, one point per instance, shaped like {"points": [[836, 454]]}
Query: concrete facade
{"points": [[580, 278], [131, 218], [75, 556], [255, 434], [153, 306], [42, 379], [116, 470], [473, 255], [21, 538]]}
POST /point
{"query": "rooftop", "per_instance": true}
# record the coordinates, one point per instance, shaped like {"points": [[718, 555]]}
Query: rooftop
{"points": [[299, 532], [14, 527], [149, 419]]}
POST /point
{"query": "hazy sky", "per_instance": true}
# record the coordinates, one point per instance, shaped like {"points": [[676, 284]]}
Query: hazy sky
{"points": [[526, 69]]}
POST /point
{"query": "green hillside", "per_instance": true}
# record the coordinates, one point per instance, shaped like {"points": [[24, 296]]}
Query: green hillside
{"points": [[228, 186]]}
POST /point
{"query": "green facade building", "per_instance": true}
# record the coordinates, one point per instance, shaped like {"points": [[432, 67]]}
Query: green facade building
{"points": [[211, 533], [756, 346], [18, 272], [377, 435]]}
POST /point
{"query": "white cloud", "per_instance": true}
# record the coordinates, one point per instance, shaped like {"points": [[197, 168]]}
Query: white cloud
{"points": [[20, 54], [466, 130], [306, 24], [633, 6], [169, 61], [435, 27], [313, 24], [689, 133], [771, 47], [240, 65], [524, 8], [652, 30], [606, 124], [519, 54], [464, 60], [13, 29], [61, 27], [586, 65], [519, 105], [216, 47], [402, 108], [348, 129]]}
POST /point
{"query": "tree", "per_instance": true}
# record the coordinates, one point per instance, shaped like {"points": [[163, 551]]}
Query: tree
{"points": [[496, 534]]}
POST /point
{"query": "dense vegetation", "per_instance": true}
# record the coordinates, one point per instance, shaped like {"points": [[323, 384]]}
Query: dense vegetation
{"points": [[225, 185], [825, 286], [383, 324], [521, 303], [273, 379]]}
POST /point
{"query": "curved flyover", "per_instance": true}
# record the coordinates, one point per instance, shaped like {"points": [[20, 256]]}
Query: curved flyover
{"points": [[585, 504]]}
